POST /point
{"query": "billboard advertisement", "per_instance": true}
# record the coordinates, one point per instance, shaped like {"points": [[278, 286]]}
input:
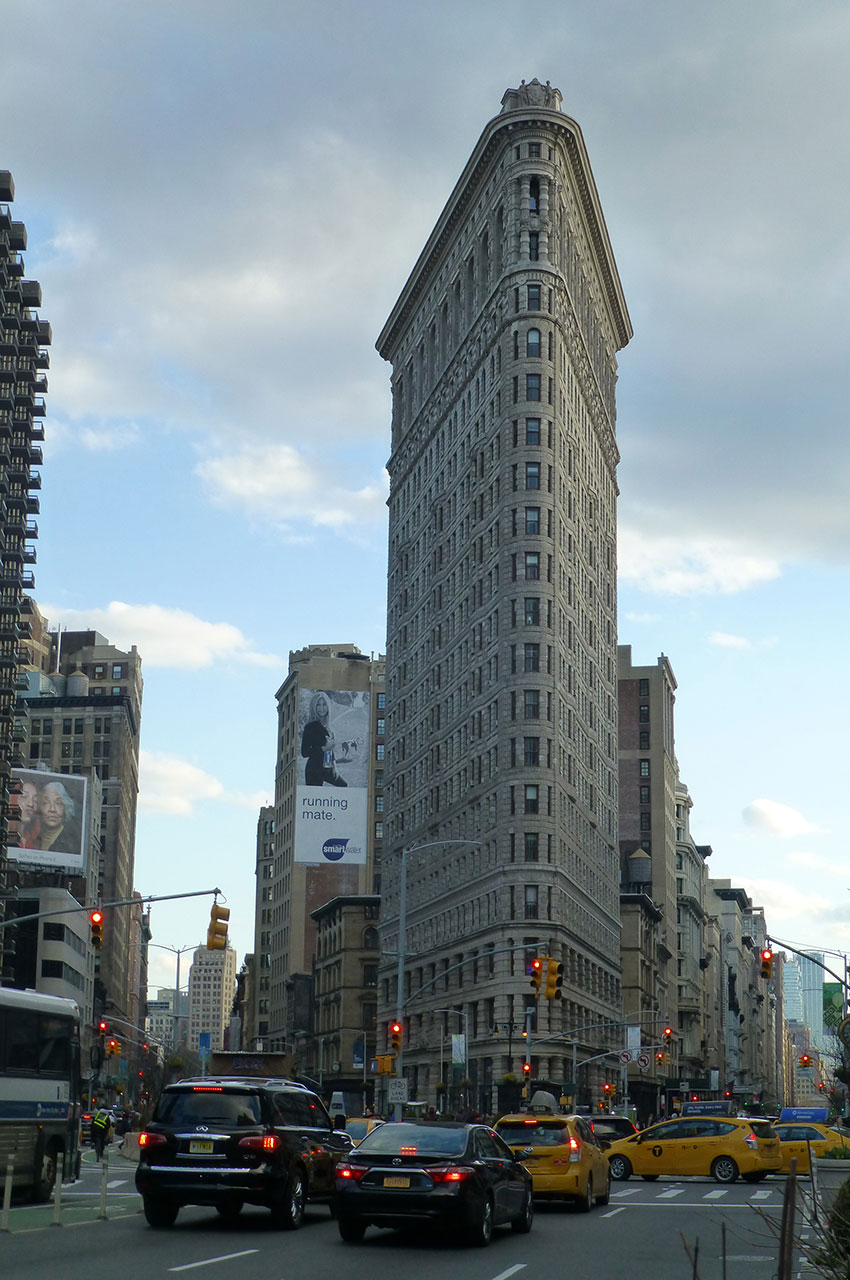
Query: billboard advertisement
{"points": [[50, 827], [332, 793]]}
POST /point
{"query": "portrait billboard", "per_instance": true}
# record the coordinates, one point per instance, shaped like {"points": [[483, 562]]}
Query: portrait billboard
{"points": [[50, 820], [332, 792]]}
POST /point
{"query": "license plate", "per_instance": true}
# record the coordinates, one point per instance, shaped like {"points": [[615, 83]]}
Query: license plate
{"points": [[396, 1182], [200, 1148]]}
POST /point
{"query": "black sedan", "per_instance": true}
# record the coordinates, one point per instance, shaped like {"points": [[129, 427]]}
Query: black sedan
{"points": [[459, 1176]]}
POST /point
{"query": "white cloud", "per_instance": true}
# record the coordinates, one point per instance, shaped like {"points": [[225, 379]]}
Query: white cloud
{"points": [[784, 902], [778, 819], [168, 784], [63, 435], [164, 637], [681, 566], [724, 641], [814, 862], [281, 483]]}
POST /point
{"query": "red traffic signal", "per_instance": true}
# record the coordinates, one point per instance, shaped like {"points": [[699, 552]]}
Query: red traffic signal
{"points": [[395, 1037], [535, 969], [526, 1068], [96, 923], [767, 963], [668, 1034], [102, 1027]]}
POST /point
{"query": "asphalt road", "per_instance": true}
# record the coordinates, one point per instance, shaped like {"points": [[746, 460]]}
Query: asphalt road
{"points": [[640, 1235]]}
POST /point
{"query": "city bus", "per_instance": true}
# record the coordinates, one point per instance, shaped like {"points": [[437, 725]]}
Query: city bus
{"points": [[39, 1090]]}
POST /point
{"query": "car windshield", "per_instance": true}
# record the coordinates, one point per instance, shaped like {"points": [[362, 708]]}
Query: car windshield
{"points": [[356, 1129], [415, 1140], [208, 1106], [762, 1129], [542, 1133]]}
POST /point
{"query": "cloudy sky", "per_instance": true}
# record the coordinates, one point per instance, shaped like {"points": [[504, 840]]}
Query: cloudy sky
{"points": [[223, 202]]}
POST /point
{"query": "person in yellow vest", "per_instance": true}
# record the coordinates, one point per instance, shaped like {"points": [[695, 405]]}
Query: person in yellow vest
{"points": [[101, 1130]]}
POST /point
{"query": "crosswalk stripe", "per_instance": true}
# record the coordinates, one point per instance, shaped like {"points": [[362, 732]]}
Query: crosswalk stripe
{"points": [[715, 1195], [674, 1191]]}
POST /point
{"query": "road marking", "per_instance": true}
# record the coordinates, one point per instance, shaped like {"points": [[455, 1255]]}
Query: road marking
{"points": [[715, 1195], [225, 1257], [511, 1271], [118, 1182], [668, 1195], [629, 1191], [612, 1213], [747, 1257], [761, 1195]]}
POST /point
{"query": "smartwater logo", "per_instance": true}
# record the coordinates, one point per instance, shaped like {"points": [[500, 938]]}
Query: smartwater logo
{"points": [[340, 847]]}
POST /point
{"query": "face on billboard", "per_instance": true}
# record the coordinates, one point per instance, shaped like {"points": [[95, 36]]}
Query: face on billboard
{"points": [[50, 809], [333, 784]]}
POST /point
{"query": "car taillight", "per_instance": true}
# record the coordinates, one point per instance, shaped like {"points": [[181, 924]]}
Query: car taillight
{"points": [[350, 1172], [260, 1142], [152, 1139], [451, 1173], [575, 1150], [752, 1141]]}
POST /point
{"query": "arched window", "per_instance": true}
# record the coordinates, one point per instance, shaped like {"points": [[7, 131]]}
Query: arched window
{"points": [[534, 195], [370, 939], [532, 342]]}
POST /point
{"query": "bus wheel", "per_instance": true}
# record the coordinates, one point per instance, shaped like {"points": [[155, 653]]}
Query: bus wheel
{"points": [[45, 1178]]}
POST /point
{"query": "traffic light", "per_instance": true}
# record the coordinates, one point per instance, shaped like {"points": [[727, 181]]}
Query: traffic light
{"points": [[526, 1070], [668, 1036], [113, 1047], [395, 1038], [102, 1027], [606, 1089], [217, 931], [554, 978], [659, 1057], [96, 922], [535, 969], [805, 1060], [767, 963]]}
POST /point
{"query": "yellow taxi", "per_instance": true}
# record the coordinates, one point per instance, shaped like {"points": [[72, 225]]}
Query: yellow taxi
{"points": [[358, 1126], [795, 1138], [561, 1154], [698, 1146]]}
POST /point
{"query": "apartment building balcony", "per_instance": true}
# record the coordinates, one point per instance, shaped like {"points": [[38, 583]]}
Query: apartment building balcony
{"points": [[38, 409]]}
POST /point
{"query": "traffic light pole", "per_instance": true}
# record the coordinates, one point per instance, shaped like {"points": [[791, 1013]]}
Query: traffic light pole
{"points": [[119, 902]]}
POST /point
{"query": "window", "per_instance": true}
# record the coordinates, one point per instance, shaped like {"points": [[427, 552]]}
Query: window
{"points": [[532, 565], [532, 520], [643, 713], [534, 297], [533, 195], [66, 726], [531, 751], [531, 905], [533, 150], [532, 797], [370, 975], [117, 671], [99, 672], [533, 246], [532, 431], [532, 343], [531, 704], [532, 475], [532, 386], [643, 740], [531, 846], [379, 804], [379, 751], [379, 830], [646, 822], [643, 688], [531, 611], [531, 657], [379, 726], [382, 701], [644, 795], [644, 768]]}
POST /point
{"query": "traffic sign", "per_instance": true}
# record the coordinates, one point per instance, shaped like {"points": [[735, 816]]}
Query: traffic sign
{"points": [[397, 1089], [626, 1056], [204, 1046], [642, 1059], [159, 1006]]}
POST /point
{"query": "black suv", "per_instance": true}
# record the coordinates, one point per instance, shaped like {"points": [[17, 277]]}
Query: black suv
{"points": [[228, 1142]]}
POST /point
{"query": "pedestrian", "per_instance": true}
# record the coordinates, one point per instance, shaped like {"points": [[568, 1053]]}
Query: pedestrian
{"points": [[100, 1130]]}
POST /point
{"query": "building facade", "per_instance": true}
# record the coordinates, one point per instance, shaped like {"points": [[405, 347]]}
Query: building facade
{"points": [[85, 716], [212, 986], [23, 361], [501, 650], [328, 778], [346, 985]]}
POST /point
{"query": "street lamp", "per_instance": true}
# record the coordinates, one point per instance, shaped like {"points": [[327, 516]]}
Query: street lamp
{"points": [[402, 936], [461, 1013], [178, 952]]}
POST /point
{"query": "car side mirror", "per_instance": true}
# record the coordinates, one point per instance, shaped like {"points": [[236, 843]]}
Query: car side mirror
{"points": [[527, 1151]]}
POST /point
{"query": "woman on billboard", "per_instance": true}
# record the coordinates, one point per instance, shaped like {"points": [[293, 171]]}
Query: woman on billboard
{"points": [[56, 811], [318, 744]]}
